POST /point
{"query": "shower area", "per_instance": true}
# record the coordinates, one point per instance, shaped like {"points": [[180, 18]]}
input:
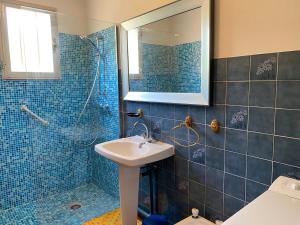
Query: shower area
{"points": [[57, 101]]}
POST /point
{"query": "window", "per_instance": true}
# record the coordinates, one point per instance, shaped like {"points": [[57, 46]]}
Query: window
{"points": [[29, 43], [133, 54]]}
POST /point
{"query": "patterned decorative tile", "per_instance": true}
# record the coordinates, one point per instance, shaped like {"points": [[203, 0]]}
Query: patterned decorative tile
{"points": [[197, 154], [263, 67], [237, 117]]}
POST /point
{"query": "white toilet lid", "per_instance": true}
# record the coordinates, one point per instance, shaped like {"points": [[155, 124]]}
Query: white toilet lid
{"points": [[280, 205], [192, 221]]}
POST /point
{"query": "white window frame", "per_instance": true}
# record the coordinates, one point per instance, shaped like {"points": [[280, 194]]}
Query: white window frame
{"points": [[139, 75], [5, 56]]}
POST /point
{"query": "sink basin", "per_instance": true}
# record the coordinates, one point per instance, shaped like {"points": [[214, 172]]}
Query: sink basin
{"points": [[130, 152]]}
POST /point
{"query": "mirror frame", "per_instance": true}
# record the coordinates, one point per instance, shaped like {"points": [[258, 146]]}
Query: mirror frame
{"points": [[169, 10]]}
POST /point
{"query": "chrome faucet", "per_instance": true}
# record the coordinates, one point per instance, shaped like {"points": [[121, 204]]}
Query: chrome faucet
{"points": [[146, 135]]}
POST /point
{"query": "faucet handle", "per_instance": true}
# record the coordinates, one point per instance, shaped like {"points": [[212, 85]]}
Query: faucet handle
{"points": [[150, 139], [144, 135]]}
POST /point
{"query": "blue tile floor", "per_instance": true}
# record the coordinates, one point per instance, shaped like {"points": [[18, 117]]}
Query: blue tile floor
{"points": [[55, 210]]}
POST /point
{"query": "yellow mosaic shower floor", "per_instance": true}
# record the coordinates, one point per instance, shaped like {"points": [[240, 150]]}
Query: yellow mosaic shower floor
{"points": [[110, 218]]}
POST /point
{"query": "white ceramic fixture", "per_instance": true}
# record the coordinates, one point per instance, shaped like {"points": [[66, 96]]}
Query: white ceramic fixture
{"points": [[280, 205], [195, 221], [131, 153]]}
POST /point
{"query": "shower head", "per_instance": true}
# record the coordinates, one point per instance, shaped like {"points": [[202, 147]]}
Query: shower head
{"points": [[83, 37]]}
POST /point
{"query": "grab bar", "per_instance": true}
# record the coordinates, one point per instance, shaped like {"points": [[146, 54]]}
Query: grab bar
{"points": [[24, 108]]}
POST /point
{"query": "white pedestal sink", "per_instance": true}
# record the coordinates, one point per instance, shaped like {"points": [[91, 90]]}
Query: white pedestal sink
{"points": [[131, 154]]}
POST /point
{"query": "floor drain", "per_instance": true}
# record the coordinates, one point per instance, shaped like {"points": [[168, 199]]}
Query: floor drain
{"points": [[75, 206]]}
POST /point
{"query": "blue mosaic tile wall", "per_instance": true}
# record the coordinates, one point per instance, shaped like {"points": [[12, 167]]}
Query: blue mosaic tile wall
{"points": [[104, 171], [165, 68], [256, 100], [38, 161]]}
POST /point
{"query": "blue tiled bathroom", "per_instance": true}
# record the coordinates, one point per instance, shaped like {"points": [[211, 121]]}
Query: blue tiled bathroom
{"points": [[149, 112]]}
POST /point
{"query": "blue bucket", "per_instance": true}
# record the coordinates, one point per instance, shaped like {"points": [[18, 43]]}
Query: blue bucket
{"points": [[156, 220]]}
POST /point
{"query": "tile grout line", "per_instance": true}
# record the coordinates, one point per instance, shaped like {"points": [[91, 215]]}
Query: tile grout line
{"points": [[205, 121], [236, 129], [260, 107], [188, 193], [225, 121], [248, 120], [235, 175], [274, 119], [245, 81], [238, 153]]}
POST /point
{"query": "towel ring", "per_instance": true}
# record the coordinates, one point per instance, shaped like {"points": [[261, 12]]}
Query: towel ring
{"points": [[188, 124]]}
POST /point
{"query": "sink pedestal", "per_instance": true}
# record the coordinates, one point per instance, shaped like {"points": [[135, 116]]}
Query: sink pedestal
{"points": [[129, 193], [131, 155]]}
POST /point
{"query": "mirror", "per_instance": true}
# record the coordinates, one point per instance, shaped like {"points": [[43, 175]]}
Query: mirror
{"points": [[163, 55], [166, 54]]}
